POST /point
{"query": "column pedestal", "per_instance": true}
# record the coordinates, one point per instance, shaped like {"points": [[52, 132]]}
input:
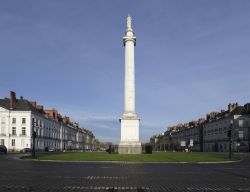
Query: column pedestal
{"points": [[130, 136]]}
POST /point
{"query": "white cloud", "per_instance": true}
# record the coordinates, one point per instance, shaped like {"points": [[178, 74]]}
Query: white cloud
{"points": [[97, 118]]}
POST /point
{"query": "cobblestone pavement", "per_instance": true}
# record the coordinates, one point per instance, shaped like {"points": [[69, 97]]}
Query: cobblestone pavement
{"points": [[23, 175]]}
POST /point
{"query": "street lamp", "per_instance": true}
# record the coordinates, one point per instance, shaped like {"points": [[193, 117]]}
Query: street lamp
{"points": [[229, 134], [164, 147], [33, 138]]}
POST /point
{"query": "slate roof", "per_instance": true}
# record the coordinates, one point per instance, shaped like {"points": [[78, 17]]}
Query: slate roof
{"points": [[19, 105], [239, 111]]}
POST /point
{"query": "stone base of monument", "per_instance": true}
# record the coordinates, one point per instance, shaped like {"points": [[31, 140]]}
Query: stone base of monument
{"points": [[129, 143], [129, 148]]}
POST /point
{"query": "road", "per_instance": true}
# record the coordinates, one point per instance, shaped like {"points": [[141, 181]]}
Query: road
{"points": [[23, 175]]}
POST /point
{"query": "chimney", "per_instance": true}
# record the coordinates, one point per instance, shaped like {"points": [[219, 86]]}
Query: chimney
{"points": [[230, 107], [59, 117], [33, 103], [247, 107], [52, 113], [66, 120], [55, 114], [208, 116], [39, 107], [12, 99]]}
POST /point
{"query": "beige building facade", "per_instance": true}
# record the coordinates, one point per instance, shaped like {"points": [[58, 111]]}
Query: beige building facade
{"points": [[210, 134]]}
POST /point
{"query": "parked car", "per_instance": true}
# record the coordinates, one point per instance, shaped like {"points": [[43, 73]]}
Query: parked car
{"points": [[49, 149], [3, 149], [26, 150]]}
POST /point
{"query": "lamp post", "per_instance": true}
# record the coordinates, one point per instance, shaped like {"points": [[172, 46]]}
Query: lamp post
{"points": [[164, 147], [33, 138], [229, 134], [61, 137]]}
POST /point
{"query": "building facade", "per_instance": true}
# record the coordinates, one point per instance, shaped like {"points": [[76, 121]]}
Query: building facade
{"points": [[19, 118], [212, 134], [218, 125]]}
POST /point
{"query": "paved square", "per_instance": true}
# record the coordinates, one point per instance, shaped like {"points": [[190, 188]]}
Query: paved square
{"points": [[22, 175]]}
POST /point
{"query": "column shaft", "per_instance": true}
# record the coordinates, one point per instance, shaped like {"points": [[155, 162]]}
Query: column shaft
{"points": [[129, 77]]}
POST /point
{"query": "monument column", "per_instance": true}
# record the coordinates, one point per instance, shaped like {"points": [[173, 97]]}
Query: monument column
{"points": [[129, 143]]}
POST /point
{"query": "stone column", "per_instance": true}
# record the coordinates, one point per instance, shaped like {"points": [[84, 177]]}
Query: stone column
{"points": [[129, 86], [129, 121]]}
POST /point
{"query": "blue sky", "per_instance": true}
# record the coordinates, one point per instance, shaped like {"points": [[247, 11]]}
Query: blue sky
{"points": [[192, 57]]}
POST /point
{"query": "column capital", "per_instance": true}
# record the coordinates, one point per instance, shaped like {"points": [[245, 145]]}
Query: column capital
{"points": [[126, 38]]}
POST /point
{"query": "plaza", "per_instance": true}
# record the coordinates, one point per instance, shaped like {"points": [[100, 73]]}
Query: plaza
{"points": [[124, 96], [25, 175]]}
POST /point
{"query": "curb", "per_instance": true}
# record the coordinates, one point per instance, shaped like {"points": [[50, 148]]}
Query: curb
{"points": [[132, 162]]}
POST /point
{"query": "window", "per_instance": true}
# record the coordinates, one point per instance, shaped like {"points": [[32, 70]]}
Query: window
{"points": [[13, 130], [13, 142], [3, 120], [23, 131], [2, 141], [13, 120], [241, 122], [23, 120], [23, 142], [2, 131]]}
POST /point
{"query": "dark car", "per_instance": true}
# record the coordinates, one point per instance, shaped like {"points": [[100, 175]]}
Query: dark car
{"points": [[3, 149], [26, 150], [49, 149]]}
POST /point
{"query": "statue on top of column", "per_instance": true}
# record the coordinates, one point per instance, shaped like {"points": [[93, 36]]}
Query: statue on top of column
{"points": [[129, 23]]}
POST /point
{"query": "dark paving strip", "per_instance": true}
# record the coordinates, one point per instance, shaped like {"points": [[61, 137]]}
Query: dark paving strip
{"points": [[122, 188]]}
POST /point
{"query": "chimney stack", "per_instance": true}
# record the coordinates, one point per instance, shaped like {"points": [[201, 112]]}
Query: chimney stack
{"points": [[52, 113], [247, 107], [33, 103], [12, 99], [39, 107], [66, 120], [232, 106], [229, 107], [208, 116]]}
